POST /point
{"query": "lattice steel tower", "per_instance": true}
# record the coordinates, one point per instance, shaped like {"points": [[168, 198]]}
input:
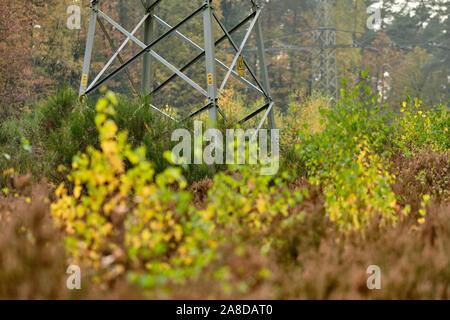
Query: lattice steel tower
{"points": [[206, 54], [324, 71]]}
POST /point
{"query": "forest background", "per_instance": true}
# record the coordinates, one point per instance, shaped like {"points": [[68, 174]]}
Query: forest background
{"points": [[40, 54]]}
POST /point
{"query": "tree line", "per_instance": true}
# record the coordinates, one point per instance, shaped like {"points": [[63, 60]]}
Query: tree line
{"points": [[40, 54]]}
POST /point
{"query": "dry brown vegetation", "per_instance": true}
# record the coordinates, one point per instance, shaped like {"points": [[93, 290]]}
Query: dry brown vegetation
{"points": [[314, 262], [32, 257]]}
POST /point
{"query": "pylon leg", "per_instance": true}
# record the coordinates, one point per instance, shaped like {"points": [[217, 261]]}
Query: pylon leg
{"points": [[89, 47], [264, 71], [210, 61], [147, 76]]}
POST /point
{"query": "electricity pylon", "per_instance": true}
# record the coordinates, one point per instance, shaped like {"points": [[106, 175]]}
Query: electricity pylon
{"points": [[206, 54], [324, 71]]}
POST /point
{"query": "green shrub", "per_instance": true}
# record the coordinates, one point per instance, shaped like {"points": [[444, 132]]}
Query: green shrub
{"points": [[61, 126], [122, 217], [347, 159], [245, 204], [419, 128], [17, 145], [57, 109]]}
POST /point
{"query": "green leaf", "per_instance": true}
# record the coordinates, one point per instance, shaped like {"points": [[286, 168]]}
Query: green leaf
{"points": [[26, 145], [364, 74]]}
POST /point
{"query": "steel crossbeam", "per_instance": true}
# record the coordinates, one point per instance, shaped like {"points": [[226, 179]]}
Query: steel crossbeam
{"points": [[208, 53]]}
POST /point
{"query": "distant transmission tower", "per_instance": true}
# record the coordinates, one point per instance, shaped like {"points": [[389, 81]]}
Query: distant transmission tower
{"points": [[324, 71], [211, 89]]}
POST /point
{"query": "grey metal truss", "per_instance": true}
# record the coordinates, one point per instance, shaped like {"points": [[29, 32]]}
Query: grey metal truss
{"points": [[212, 91], [324, 70]]}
